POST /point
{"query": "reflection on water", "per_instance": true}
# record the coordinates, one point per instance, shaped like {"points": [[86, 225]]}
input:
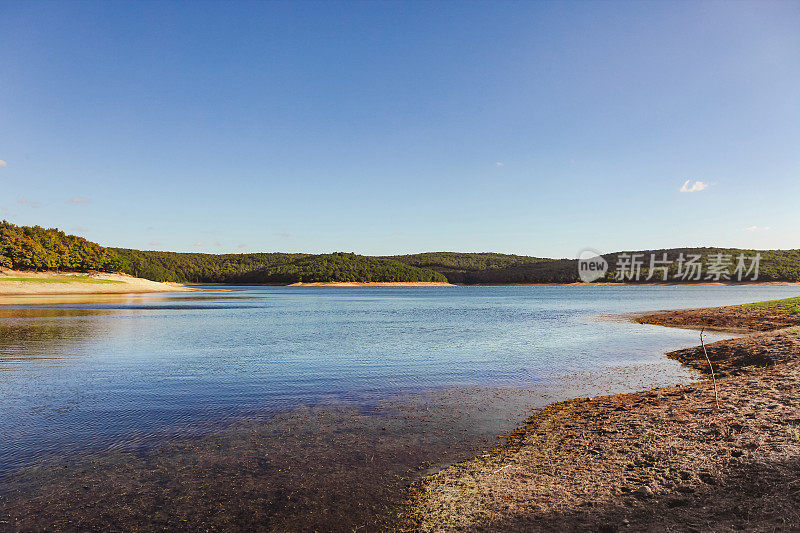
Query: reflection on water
{"points": [[120, 299], [295, 394], [30, 335]]}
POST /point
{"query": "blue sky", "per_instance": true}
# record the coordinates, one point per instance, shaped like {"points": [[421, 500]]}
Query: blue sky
{"points": [[526, 127]]}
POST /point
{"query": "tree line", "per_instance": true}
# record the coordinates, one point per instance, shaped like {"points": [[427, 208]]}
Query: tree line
{"points": [[487, 269], [37, 248], [269, 268]]}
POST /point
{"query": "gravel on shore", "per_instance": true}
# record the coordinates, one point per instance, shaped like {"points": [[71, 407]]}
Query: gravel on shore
{"points": [[667, 459]]}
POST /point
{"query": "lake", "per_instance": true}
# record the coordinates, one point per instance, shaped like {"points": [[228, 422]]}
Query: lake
{"points": [[442, 370]]}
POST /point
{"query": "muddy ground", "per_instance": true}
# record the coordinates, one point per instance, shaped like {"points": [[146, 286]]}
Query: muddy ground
{"points": [[662, 460]]}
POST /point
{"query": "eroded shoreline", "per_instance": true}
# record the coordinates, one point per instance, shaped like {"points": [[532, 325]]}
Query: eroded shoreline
{"points": [[653, 460]]}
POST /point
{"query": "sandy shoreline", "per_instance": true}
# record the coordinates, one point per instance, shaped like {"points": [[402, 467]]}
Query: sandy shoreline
{"points": [[17, 284], [22, 287], [648, 284], [575, 284], [666, 459], [373, 284]]}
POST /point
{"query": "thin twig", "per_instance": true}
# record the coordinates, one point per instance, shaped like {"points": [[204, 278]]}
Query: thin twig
{"points": [[499, 469], [714, 379]]}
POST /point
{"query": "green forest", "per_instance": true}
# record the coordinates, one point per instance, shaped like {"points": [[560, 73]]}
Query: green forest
{"points": [[36, 248], [268, 267], [498, 269], [469, 267]]}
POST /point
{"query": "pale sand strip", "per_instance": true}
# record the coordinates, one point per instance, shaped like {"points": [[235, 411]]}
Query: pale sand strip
{"points": [[374, 284], [18, 287]]}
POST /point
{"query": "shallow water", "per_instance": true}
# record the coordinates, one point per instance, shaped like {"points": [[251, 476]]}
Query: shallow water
{"points": [[84, 376]]}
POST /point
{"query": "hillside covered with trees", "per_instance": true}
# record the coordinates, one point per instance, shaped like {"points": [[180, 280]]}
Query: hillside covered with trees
{"points": [[488, 269], [269, 267], [36, 248], [468, 268]]}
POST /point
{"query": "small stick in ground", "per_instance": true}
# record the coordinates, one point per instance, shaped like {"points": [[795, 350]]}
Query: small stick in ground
{"points": [[499, 469], [714, 379]]}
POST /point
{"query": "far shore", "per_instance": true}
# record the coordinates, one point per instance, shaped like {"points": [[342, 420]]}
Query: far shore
{"points": [[17, 284], [573, 284], [373, 284], [650, 284]]}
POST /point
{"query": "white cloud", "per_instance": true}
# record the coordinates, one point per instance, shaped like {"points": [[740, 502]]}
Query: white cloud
{"points": [[697, 186], [3, 163], [78, 200], [498, 164], [199, 244], [757, 228], [29, 203]]}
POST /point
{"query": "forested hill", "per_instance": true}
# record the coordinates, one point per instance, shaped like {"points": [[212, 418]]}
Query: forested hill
{"points": [[475, 267], [487, 269], [269, 268], [36, 248]]}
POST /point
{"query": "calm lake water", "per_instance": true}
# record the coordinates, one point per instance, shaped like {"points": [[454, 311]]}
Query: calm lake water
{"points": [[89, 376]]}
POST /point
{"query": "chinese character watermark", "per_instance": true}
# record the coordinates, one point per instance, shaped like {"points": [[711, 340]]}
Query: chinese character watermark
{"points": [[633, 267]]}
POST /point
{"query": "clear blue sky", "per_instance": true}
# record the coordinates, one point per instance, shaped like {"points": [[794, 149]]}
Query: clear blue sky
{"points": [[525, 127]]}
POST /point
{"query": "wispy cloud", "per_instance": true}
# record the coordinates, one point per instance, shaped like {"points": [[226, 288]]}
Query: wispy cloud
{"points": [[154, 243], [695, 187], [78, 200], [3, 163], [199, 244], [757, 228], [29, 203], [498, 164]]}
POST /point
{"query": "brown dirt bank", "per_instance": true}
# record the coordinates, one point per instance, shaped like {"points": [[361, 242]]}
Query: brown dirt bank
{"points": [[660, 460], [732, 317]]}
